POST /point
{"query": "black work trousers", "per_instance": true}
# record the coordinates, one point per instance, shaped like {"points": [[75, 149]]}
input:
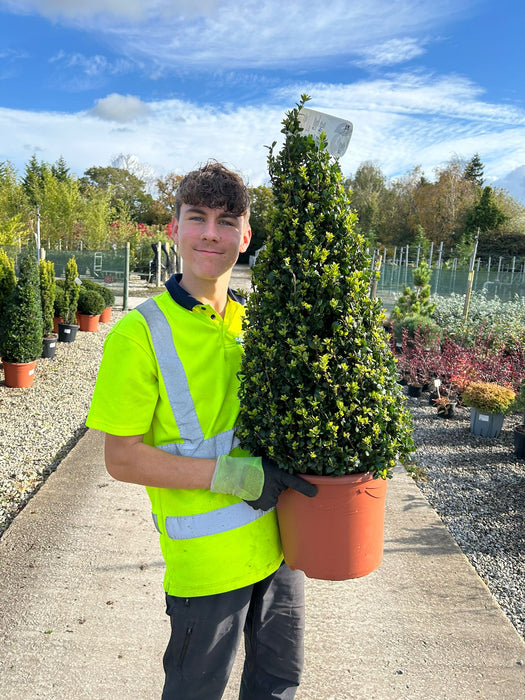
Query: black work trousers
{"points": [[206, 633]]}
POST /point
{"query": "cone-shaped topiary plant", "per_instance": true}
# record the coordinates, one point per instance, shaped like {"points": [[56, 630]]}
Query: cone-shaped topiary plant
{"points": [[7, 278], [318, 381], [47, 295], [71, 291], [21, 323]]}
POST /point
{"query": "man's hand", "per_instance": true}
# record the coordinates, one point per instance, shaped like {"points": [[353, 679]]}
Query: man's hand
{"points": [[277, 480], [256, 480]]}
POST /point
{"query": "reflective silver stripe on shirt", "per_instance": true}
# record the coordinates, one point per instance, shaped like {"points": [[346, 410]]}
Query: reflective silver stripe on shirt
{"points": [[212, 523], [194, 445]]}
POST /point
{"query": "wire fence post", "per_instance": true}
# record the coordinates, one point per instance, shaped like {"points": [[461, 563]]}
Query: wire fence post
{"points": [[125, 291]]}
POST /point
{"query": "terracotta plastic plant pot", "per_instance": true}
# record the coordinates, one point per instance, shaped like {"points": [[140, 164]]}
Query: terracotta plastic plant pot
{"points": [[56, 321], [19, 375], [338, 534], [88, 323], [105, 316]]}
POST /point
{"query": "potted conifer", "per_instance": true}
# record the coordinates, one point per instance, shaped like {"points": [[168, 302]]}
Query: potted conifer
{"points": [[7, 278], [319, 392], [59, 305], [21, 324], [67, 329], [47, 299]]}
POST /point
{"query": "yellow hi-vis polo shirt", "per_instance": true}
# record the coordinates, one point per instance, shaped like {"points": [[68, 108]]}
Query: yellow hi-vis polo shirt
{"points": [[175, 355]]}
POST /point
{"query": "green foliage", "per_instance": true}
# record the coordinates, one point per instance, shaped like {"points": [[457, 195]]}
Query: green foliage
{"points": [[7, 278], [474, 171], [59, 305], [71, 291], [90, 302], [260, 206], [21, 322], [318, 381], [519, 401], [128, 197], [105, 292], [416, 301], [485, 215], [488, 397], [47, 295], [501, 323], [428, 329]]}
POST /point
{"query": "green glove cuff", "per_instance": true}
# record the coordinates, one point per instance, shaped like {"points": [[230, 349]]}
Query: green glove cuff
{"points": [[239, 476]]}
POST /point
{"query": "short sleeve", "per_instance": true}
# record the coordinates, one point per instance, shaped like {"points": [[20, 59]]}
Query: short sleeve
{"points": [[127, 387]]}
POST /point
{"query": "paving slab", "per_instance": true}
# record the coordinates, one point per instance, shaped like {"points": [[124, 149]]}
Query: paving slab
{"points": [[82, 609]]}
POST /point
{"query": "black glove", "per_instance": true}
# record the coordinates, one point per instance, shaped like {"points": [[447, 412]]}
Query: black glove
{"points": [[277, 480]]}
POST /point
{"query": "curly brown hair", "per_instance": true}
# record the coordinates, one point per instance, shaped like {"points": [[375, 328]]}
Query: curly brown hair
{"points": [[213, 186]]}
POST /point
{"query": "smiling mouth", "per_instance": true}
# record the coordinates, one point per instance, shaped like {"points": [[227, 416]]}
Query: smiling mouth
{"points": [[205, 251]]}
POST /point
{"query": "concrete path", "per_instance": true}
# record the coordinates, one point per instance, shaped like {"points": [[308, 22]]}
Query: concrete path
{"points": [[82, 608]]}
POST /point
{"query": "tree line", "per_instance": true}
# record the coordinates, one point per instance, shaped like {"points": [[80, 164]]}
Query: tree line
{"points": [[108, 206], [413, 210]]}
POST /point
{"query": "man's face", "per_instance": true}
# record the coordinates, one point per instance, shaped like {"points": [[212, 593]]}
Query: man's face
{"points": [[210, 240]]}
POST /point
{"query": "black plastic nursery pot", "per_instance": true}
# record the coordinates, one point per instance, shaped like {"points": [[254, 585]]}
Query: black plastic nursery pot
{"points": [[519, 441], [49, 345], [67, 332]]}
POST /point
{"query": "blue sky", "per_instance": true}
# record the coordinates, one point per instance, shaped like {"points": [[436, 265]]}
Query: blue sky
{"points": [[171, 83]]}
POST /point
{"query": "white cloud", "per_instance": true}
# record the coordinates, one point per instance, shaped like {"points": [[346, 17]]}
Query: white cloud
{"points": [[121, 108], [254, 33], [398, 123], [134, 10], [391, 52]]}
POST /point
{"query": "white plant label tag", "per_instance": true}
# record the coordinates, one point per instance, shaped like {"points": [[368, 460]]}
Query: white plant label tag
{"points": [[338, 131], [483, 418]]}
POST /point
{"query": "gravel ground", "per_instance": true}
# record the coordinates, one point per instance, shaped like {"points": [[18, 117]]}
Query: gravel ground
{"points": [[475, 485]]}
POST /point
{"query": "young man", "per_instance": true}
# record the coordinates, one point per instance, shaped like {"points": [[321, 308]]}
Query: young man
{"points": [[166, 397]]}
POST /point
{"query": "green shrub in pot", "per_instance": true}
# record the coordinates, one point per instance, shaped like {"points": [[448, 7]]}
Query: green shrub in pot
{"points": [[71, 291], [105, 292], [489, 397], [21, 323], [47, 295], [90, 302], [7, 278], [319, 391], [59, 303]]}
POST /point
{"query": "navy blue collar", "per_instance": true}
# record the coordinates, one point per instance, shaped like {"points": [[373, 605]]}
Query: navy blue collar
{"points": [[184, 299]]}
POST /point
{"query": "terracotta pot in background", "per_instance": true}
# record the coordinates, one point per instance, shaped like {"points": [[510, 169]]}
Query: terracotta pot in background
{"points": [[86, 322], [105, 316], [19, 374]]}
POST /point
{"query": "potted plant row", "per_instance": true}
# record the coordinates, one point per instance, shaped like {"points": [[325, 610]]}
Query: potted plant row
{"points": [[319, 392]]}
